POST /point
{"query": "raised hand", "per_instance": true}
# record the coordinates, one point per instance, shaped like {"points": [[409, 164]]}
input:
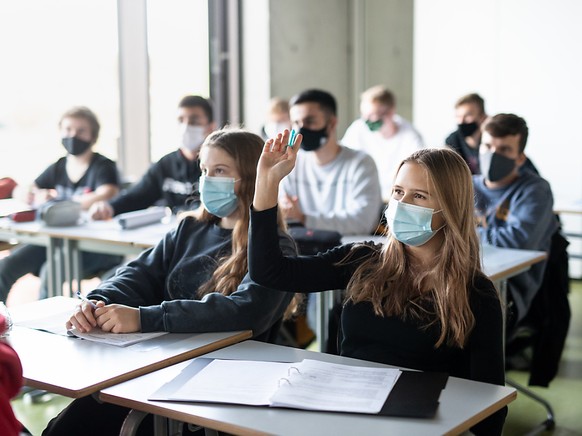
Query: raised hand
{"points": [[276, 161]]}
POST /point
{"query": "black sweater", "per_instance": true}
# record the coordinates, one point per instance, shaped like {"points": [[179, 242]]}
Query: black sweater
{"points": [[169, 182]]}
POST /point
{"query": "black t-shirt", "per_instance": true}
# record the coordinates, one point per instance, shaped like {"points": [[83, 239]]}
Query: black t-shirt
{"points": [[101, 171]]}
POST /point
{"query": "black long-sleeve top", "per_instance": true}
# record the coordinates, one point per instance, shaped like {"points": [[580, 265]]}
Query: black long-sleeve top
{"points": [[386, 339], [171, 181]]}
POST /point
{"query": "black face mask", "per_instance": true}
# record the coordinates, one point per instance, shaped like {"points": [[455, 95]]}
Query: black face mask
{"points": [[313, 139], [495, 166], [467, 129], [75, 146]]}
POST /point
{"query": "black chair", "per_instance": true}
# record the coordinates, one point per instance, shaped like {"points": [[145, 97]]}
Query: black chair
{"points": [[544, 329]]}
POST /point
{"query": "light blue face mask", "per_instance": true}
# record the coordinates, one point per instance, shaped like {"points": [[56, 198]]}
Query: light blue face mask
{"points": [[217, 195], [410, 224]]}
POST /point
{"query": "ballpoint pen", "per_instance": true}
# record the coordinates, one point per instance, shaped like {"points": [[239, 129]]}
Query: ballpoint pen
{"points": [[86, 300]]}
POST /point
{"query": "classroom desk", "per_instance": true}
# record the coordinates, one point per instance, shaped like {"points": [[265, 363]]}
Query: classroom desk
{"points": [[462, 403], [75, 368], [64, 244]]}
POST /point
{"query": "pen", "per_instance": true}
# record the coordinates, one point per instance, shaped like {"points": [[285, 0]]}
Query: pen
{"points": [[86, 300], [291, 138]]}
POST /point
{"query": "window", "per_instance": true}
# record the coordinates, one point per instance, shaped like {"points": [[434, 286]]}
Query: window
{"points": [[55, 55], [179, 64]]}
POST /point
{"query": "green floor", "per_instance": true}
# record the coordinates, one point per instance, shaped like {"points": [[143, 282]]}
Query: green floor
{"points": [[564, 394]]}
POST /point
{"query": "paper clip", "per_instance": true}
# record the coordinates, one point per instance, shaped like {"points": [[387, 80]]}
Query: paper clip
{"points": [[291, 138], [283, 379]]}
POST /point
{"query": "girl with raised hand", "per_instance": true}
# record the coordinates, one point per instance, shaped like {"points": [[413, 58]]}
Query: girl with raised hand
{"points": [[420, 300]]}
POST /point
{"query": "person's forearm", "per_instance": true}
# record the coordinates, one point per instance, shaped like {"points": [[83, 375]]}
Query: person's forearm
{"points": [[266, 194]]}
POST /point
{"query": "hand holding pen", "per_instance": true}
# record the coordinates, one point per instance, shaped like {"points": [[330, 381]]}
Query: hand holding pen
{"points": [[86, 300], [83, 319]]}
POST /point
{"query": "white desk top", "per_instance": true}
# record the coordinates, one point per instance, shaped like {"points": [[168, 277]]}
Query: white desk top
{"points": [[498, 263], [74, 367], [568, 207], [102, 231], [462, 404]]}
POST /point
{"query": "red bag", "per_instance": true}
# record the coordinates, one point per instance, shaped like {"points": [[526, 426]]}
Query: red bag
{"points": [[7, 185]]}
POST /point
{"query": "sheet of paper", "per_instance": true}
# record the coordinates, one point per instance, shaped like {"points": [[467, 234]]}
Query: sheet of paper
{"points": [[233, 381], [316, 385], [117, 339], [49, 314]]}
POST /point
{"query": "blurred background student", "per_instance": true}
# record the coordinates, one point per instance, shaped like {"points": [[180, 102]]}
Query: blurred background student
{"points": [[83, 176], [277, 118], [172, 180]]}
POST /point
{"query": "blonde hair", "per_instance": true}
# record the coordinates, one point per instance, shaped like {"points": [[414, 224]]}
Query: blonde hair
{"points": [[379, 94], [388, 280], [245, 148]]}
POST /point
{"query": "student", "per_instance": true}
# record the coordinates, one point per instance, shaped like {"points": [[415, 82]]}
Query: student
{"points": [[470, 115], [383, 134], [419, 301], [173, 179], [332, 187], [83, 176], [277, 118], [194, 280], [514, 206]]}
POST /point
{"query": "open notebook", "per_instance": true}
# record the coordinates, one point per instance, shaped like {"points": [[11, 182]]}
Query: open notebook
{"points": [[308, 385]]}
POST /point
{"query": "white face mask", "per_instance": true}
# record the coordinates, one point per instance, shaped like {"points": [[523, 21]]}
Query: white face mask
{"points": [[191, 137], [272, 129]]}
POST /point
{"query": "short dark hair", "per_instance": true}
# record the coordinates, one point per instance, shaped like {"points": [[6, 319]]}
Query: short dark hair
{"points": [[201, 102], [472, 98], [84, 113], [324, 98], [502, 125]]}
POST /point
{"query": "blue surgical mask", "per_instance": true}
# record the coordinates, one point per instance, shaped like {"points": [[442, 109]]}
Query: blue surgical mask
{"points": [[410, 224], [217, 195]]}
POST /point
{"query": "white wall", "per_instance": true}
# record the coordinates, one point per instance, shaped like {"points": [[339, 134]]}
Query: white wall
{"points": [[342, 46], [522, 56]]}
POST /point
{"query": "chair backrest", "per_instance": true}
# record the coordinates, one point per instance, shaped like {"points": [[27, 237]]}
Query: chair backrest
{"points": [[548, 318]]}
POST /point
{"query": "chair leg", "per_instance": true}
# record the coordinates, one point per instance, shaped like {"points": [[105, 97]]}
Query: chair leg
{"points": [[550, 422]]}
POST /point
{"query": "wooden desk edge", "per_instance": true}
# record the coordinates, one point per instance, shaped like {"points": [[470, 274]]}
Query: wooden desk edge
{"points": [[79, 393]]}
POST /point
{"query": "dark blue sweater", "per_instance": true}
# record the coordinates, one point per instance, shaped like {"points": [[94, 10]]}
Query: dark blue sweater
{"points": [[163, 282]]}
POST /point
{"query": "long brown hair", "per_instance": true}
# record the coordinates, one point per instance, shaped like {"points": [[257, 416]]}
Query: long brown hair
{"points": [[245, 148], [394, 288]]}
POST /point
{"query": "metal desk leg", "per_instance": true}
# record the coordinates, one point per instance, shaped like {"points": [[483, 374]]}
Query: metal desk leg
{"points": [[54, 267], [324, 303], [132, 422], [72, 260], [321, 319]]}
